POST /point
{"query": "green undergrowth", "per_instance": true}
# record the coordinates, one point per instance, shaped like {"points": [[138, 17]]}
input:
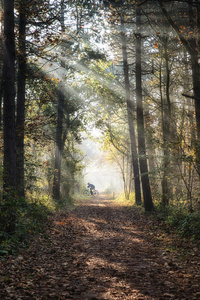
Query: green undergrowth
{"points": [[181, 219], [29, 217], [65, 203]]}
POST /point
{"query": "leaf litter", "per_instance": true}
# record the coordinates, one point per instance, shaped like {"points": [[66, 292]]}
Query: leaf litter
{"points": [[102, 250]]}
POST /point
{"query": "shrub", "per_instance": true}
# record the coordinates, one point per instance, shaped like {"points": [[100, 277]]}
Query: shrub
{"points": [[29, 218], [185, 222]]}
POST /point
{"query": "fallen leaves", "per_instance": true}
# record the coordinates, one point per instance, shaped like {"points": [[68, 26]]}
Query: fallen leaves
{"points": [[100, 251]]}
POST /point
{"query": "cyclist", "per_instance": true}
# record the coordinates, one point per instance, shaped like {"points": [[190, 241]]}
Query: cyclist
{"points": [[91, 187]]}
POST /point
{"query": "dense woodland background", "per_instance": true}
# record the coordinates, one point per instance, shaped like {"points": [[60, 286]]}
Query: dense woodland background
{"points": [[127, 68]]}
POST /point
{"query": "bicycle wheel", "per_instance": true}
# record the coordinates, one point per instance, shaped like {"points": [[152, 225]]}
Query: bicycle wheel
{"points": [[95, 193], [86, 193]]}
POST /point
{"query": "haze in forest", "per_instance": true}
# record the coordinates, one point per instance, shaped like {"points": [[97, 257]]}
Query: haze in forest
{"points": [[98, 170]]}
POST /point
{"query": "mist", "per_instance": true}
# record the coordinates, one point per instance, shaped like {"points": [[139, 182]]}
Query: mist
{"points": [[103, 174]]}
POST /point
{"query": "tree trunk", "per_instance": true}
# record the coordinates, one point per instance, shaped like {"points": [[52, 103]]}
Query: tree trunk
{"points": [[166, 116], [196, 93], [192, 47], [9, 172], [130, 112], [1, 64], [195, 72], [58, 146], [21, 101], [148, 203], [9, 97], [59, 129]]}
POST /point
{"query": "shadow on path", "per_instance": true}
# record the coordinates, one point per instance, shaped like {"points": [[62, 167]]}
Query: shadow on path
{"points": [[98, 251]]}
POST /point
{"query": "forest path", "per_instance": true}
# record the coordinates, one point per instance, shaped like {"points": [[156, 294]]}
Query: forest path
{"points": [[100, 250]]}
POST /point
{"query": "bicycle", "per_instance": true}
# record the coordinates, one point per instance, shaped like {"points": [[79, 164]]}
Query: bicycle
{"points": [[95, 193], [87, 193]]}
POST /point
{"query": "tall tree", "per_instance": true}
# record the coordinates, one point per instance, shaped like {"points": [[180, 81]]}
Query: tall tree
{"points": [[131, 113], [148, 203], [9, 97], [58, 145], [1, 61], [59, 129], [21, 85], [9, 172], [166, 119], [191, 45]]}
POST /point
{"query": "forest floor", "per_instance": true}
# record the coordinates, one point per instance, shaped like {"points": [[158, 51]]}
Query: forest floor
{"points": [[102, 250]]}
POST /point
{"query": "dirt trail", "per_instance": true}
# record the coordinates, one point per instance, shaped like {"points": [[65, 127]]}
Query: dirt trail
{"points": [[99, 250]]}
